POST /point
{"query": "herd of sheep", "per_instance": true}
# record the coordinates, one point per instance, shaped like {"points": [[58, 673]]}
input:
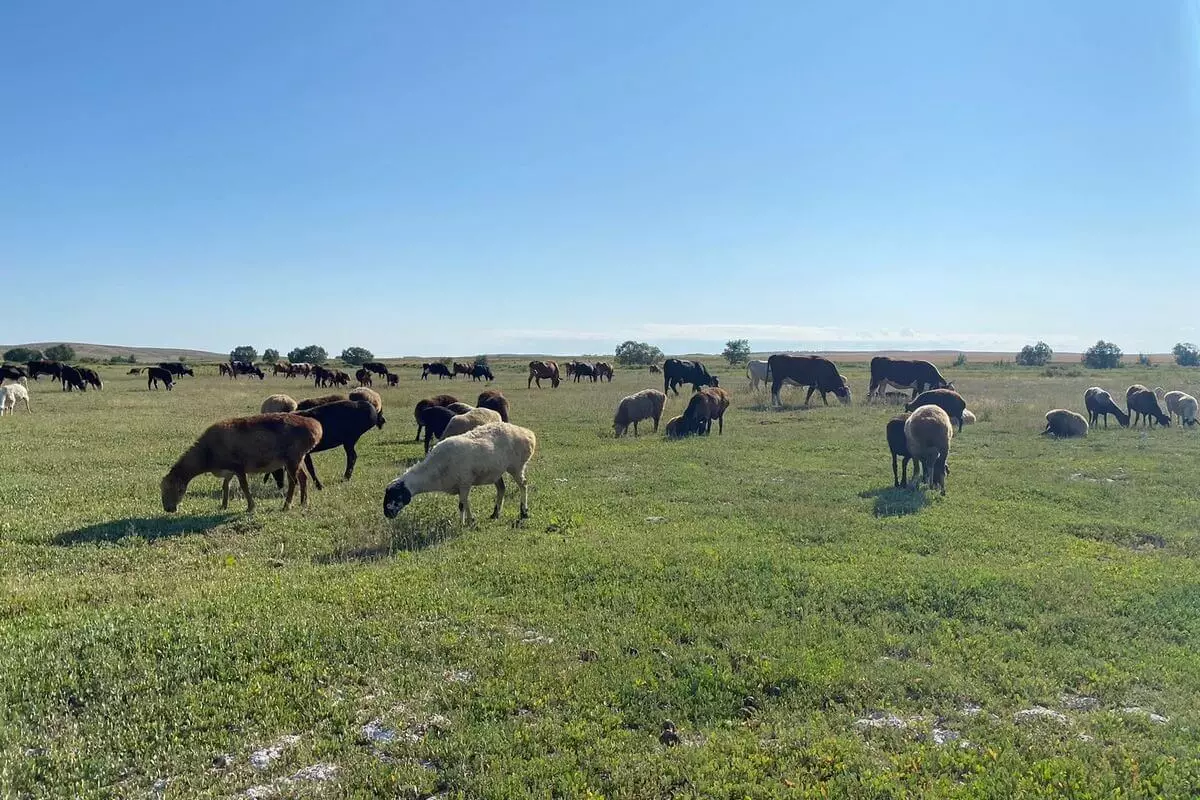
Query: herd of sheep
{"points": [[468, 446]]}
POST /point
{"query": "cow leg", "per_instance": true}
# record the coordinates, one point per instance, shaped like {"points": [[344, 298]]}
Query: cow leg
{"points": [[499, 498], [308, 462], [808, 396]]}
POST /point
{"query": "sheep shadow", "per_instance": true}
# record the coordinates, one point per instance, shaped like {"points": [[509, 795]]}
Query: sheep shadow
{"points": [[408, 534], [148, 528], [897, 501]]}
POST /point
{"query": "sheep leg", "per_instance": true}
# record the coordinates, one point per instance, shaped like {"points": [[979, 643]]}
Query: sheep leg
{"points": [[896, 472], [418, 437], [655, 426], [225, 492], [721, 425], [312, 470], [241, 476], [519, 477], [465, 516], [499, 498], [351, 458], [302, 479]]}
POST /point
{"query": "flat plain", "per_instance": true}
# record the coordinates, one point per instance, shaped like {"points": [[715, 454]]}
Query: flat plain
{"points": [[806, 629]]}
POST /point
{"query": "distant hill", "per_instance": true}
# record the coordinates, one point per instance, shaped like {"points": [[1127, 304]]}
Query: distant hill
{"points": [[103, 352]]}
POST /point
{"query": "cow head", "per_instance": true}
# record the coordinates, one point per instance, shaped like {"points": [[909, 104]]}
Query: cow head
{"points": [[843, 392]]}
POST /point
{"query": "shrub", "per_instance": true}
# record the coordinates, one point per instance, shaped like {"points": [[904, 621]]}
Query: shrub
{"points": [[60, 352], [1102, 355], [631, 353], [271, 354], [1144, 360], [1035, 355], [244, 353], [356, 356], [1186, 354], [961, 361], [313, 354], [737, 351], [481, 361], [22, 354]]}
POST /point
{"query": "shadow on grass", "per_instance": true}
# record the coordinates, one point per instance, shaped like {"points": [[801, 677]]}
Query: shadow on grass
{"points": [[897, 501], [148, 528], [406, 534]]}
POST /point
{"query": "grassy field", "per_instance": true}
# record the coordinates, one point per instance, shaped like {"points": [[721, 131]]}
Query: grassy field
{"points": [[808, 630]]}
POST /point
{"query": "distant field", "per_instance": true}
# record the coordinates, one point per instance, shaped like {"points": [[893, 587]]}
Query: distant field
{"points": [[809, 630]]}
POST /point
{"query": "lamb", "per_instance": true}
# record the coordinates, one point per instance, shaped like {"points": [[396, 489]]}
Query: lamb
{"points": [[475, 418], [476, 458], [1144, 404], [898, 445], [928, 432], [439, 400], [13, 393], [646, 404], [156, 374], [1065, 424], [236, 447], [342, 424], [948, 400], [496, 401], [313, 402], [1099, 403], [277, 403], [368, 396]]}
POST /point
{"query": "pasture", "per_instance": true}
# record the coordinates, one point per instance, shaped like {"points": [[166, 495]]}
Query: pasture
{"points": [[807, 629]]}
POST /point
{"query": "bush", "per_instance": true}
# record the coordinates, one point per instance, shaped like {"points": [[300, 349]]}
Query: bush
{"points": [[1102, 355], [632, 353], [1186, 354], [961, 361], [1035, 355], [737, 351], [1144, 360], [244, 353], [60, 352], [22, 354], [1060, 371], [481, 361], [313, 354], [271, 354], [356, 356]]}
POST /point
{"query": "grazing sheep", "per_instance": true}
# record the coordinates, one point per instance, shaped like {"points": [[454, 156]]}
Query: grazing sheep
{"points": [[277, 403], [1099, 403], [368, 396], [10, 395], [706, 405], [1186, 409], [1143, 406], [434, 420], [1171, 401], [156, 374], [469, 421], [1065, 424], [430, 402], [948, 400], [928, 432], [496, 401], [898, 445], [646, 404], [313, 402], [342, 424], [393, 379], [246, 445], [1161, 394], [968, 417], [674, 428], [476, 458]]}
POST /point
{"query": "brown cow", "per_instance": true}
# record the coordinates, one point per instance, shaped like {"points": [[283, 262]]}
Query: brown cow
{"points": [[543, 369]]}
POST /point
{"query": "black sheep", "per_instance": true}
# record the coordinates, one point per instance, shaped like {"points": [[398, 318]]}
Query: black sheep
{"points": [[434, 420], [342, 424]]}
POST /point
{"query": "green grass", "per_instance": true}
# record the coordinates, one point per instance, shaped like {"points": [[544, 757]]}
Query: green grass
{"points": [[766, 590]]}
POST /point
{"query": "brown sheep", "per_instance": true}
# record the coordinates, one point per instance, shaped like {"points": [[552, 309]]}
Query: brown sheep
{"points": [[368, 396], [277, 403], [246, 445], [706, 405], [1065, 424], [928, 432], [646, 404], [313, 402], [496, 401]]}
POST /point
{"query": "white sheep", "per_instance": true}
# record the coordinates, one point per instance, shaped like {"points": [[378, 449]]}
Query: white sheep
{"points": [[277, 403], [928, 431], [1170, 401], [476, 458], [646, 404], [10, 394], [1184, 406], [475, 418]]}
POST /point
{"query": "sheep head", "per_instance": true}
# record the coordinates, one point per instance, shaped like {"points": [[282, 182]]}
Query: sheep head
{"points": [[395, 498], [172, 492]]}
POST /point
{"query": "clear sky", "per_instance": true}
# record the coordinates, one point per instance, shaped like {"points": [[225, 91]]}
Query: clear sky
{"points": [[476, 176]]}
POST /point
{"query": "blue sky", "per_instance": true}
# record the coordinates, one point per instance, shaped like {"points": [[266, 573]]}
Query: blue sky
{"points": [[453, 178]]}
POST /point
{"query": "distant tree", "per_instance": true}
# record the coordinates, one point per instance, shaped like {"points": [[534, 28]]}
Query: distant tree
{"points": [[244, 353], [271, 355], [737, 351], [22, 354], [1102, 355], [132, 359], [632, 353], [356, 355], [313, 354], [129, 359], [1143, 360], [1186, 354], [481, 361], [1035, 355], [60, 352]]}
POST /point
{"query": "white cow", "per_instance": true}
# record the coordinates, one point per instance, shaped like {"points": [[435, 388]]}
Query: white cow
{"points": [[759, 372]]}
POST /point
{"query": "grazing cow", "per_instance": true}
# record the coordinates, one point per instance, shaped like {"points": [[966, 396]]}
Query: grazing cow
{"points": [[947, 400], [177, 368], [543, 369], [569, 368], [280, 368], [677, 371], [436, 368], [301, 369], [225, 369], [482, 371], [461, 369], [245, 368], [363, 376], [654, 369], [917, 375], [51, 368], [393, 379], [156, 374], [604, 371], [340, 378], [8, 372], [759, 374], [71, 379], [321, 376], [583, 370], [817, 373], [91, 377], [377, 367]]}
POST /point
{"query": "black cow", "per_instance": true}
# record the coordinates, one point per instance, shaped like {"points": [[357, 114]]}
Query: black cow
{"points": [[817, 373], [436, 368], [177, 368], [156, 374], [91, 377], [245, 368], [480, 371], [8, 372], [51, 368], [677, 371], [582, 370], [917, 375], [71, 379]]}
